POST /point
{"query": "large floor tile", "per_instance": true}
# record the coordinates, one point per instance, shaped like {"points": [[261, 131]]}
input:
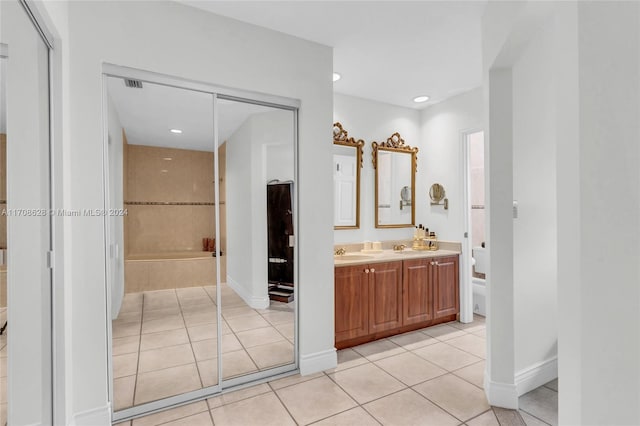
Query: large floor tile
{"points": [[446, 356], [263, 410], [163, 383], [203, 332], [473, 373], [153, 314], [485, 419], [205, 349], [508, 417], [366, 382], [163, 339], [239, 395], [236, 311], [413, 340], [470, 343], [379, 349], [529, 420], [541, 403], [177, 413], [287, 329], [123, 389], [458, 397], [272, 354], [125, 345], [259, 336], [246, 322], [236, 364], [409, 368], [279, 317], [443, 332], [354, 417], [553, 385], [470, 327], [348, 358], [408, 408], [163, 324], [172, 356], [202, 419], [125, 365], [293, 380], [125, 330], [208, 372], [314, 400], [203, 317]]}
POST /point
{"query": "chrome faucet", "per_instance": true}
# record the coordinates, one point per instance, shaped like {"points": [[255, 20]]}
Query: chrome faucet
{"points": [[340, 251], [399, 247]]}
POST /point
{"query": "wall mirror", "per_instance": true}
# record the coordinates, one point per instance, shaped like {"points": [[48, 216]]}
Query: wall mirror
{"points": [[395, 164], [202, 262], [347, 162]]}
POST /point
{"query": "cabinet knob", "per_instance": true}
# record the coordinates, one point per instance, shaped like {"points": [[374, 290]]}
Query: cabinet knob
{"points": [[366, 271], [433, 263], [373, 270]]}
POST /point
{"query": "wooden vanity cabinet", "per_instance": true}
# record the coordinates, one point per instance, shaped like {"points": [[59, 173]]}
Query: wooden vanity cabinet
{"points": [[382, 299], [446, 288]]}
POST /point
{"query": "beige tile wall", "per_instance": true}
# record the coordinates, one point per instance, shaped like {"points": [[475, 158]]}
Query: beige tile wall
{"points": [[166, 274], [150, 177]]}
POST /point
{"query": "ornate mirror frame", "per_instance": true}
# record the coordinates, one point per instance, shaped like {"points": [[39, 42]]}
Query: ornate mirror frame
{"points": [[341, 137], [395, 143]]}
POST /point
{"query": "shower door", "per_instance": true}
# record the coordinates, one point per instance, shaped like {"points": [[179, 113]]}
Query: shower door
{"points": [[186, 190]]}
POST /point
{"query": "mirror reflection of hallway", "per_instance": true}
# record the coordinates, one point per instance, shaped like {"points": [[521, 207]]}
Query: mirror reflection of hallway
{"points": [[257, 208], [195, 309], [163, 266]]}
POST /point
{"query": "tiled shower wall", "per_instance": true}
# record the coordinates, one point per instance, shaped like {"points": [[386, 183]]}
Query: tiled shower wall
{"points": [[155, 176]]}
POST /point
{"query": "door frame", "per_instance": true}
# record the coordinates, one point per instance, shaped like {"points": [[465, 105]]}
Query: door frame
{"points": [[466, 275], [217, 92]]}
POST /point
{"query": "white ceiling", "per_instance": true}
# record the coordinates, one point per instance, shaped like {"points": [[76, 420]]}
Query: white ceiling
{"points": [[388, 51], [148, 114]]}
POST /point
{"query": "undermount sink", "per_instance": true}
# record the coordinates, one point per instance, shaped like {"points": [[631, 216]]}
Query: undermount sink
{"points": [[410, 251], [352, 257]]}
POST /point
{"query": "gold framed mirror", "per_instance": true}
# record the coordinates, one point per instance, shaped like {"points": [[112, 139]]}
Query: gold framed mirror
{"points": [[395, 164], [347, 162]]}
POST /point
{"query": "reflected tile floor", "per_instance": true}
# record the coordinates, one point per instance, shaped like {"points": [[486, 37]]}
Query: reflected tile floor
{"points": [[3, 368], [165, 342], [393, 381]]}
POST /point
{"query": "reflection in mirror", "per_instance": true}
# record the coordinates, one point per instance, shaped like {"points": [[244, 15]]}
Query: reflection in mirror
{"points": [[347, 162], [256, 172], [395, 165], [162, 235]]}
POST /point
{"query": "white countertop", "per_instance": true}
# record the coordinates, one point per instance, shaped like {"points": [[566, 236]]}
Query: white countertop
{"points": [[360, 258]]}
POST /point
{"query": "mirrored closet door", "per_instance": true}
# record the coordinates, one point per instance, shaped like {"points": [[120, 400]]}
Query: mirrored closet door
{"points": [[201, 201]]}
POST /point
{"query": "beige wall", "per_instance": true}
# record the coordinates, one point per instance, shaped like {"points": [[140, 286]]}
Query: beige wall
{"points": [[151, 178]]}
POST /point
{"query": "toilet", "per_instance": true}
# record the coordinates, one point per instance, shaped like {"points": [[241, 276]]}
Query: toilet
{"points": [[479, 284]]}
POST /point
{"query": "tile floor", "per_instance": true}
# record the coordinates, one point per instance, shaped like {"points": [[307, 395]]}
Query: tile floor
{"points": [[165, 342], [431, 376], [540, 406]]}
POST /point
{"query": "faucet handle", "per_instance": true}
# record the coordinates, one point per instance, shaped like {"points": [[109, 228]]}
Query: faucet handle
{"points": [[399, 247], [340, 251]]}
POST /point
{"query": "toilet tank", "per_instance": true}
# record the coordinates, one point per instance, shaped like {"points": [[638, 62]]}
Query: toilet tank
{"points": [[480, 256]]}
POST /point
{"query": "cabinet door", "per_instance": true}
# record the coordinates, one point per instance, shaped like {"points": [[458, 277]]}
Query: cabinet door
{"points": [[385, 296], [445, 286], [417, 292], [351, 302]]}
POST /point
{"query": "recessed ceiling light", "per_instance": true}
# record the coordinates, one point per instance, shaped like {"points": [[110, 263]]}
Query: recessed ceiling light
{"points": [[419, 99], [167, 158], [336, 76], [178, 131], [164, 171]]}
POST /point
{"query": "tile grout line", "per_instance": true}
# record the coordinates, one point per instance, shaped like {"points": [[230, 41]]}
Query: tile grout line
{"points": [[186, 330], [532, 415]]}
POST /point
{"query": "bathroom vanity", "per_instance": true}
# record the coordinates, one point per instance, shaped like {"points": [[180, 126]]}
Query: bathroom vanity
{"points": [[393, 292]]}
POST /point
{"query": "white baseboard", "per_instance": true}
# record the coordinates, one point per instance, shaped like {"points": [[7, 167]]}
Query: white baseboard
{"points": [[252, 301], [504, 395], [318, 361], [536, 375], [100, 416]]}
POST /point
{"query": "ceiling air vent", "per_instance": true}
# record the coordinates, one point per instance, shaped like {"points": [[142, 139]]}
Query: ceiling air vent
{"points": [[134, 84]]}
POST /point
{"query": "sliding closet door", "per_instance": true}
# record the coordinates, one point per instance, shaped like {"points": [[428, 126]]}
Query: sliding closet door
{"points": [[25, 396], [257, 288], [162, 264]]}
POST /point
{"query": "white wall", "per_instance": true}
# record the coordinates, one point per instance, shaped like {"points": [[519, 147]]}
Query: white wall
{"points": [[442, 128], [194, 48], [270, 134], [375, 121], [534, 187]]}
